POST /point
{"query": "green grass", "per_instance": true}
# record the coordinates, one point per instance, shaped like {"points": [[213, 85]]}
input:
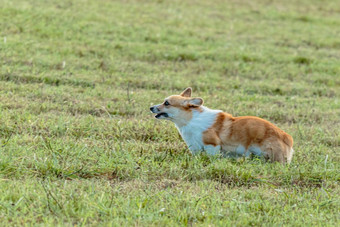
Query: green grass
{"points": [[78, 145]]}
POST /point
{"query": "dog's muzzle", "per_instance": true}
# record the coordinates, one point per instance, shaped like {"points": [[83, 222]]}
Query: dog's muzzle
{"points": [[159, 114]]}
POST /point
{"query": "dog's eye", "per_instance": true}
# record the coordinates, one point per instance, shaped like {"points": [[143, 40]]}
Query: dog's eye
{"points": [[166, 103]]}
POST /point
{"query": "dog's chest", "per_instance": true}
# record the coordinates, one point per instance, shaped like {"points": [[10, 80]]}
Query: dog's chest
{"points": [[192, 137], [192, 133]]}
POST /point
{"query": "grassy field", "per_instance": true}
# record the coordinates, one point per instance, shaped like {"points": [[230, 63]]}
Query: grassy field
{"points": [[78, 145]]}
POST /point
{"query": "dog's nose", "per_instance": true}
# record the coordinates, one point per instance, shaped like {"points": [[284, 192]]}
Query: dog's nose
{"points": [[151, 108]]}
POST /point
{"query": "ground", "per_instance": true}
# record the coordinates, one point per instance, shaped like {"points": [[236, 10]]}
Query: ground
{"points": [[78, 145]]}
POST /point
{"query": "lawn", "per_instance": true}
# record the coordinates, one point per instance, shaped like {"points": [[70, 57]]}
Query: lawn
{"points": [[78, 145]]}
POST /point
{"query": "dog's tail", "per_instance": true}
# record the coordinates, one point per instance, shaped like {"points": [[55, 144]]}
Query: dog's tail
{"points": [[290, 153], [288, 140]]}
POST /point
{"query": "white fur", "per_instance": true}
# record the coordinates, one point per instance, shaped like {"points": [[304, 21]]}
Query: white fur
{"points": [[241, 151], [256, 150], [192, 132], [290, 156]]}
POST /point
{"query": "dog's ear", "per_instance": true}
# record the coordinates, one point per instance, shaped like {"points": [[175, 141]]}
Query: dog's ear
{"points": [[186, 92], [195, 102]]}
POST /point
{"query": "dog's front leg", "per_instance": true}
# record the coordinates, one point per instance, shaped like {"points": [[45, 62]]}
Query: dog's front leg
{"points": [[212, 150]]}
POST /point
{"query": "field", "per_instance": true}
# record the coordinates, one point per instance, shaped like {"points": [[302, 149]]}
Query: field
{"points": [[78, 145]]}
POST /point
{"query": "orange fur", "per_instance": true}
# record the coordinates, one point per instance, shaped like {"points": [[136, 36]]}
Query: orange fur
{"points": [[214, 130], [228, 131]]}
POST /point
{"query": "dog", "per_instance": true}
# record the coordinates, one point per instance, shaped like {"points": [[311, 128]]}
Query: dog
{"points": [[214, 131]]}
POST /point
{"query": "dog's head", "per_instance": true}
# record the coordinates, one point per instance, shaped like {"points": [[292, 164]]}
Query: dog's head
{"points": [[177, 108]]}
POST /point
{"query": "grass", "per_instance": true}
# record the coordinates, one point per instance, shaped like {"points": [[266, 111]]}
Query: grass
{"points": [[79, 146]]}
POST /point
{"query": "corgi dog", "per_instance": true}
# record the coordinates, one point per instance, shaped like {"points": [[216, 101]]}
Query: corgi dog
{"points": [[214, 131]]}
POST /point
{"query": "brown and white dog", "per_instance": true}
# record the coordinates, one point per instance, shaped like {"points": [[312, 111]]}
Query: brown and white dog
{"points": [[214, 131]]}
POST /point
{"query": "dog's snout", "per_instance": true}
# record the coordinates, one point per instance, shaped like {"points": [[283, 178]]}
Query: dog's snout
{"points": [[154, 109]]}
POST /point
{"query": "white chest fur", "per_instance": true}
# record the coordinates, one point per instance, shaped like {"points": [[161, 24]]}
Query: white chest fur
{"points": [[193, 131]]}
